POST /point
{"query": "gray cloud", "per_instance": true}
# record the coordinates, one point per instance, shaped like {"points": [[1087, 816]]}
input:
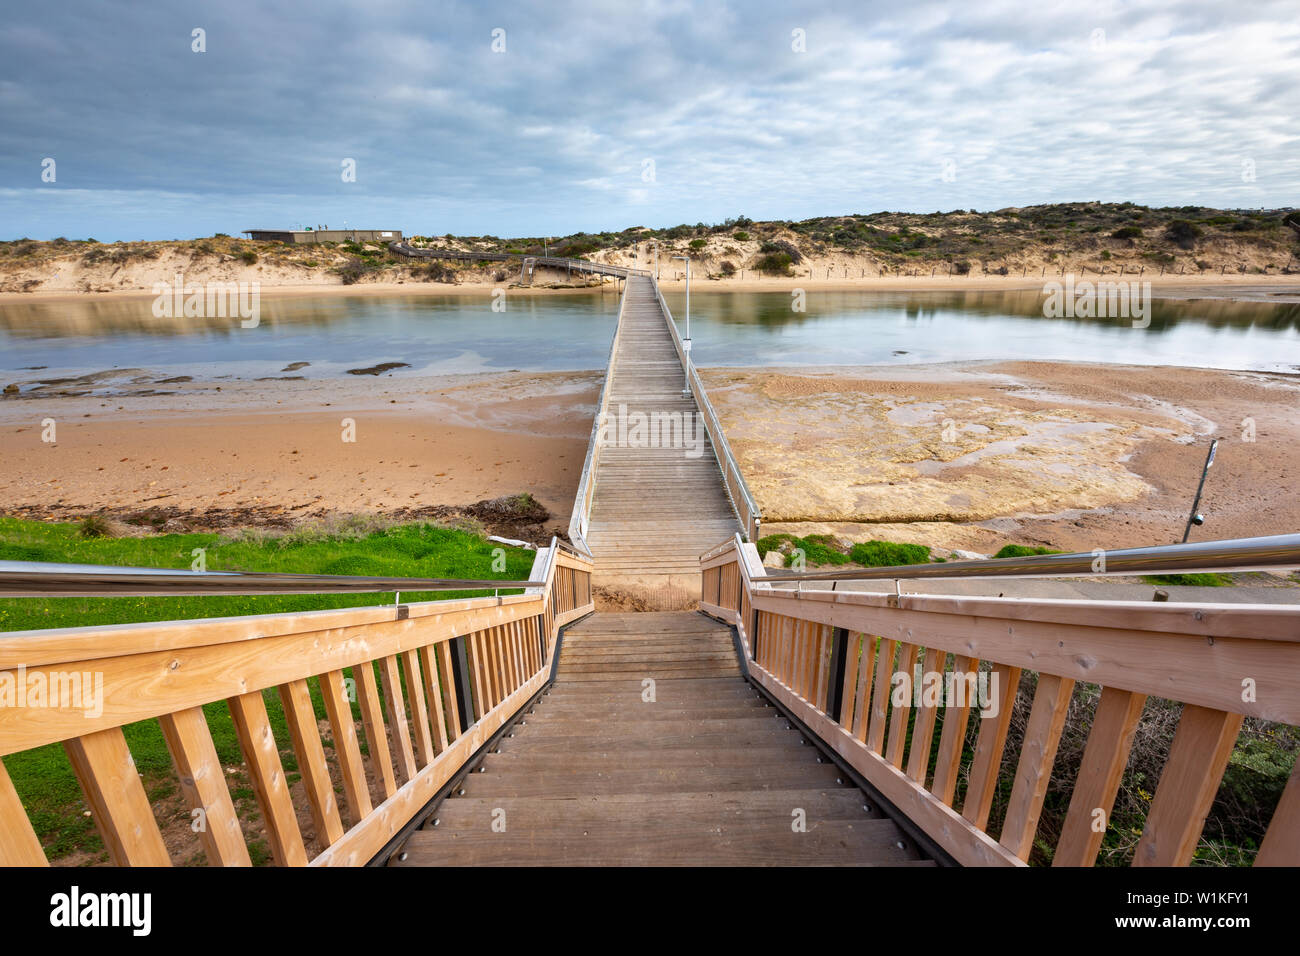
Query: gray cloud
{"points": [[153, 140]]}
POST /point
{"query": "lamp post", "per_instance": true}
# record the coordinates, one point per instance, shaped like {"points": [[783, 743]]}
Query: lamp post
{"points": [[686, 342]]}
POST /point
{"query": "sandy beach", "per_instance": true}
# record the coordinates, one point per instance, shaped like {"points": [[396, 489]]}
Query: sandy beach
{"points": [[956, 455], [274, 452]]}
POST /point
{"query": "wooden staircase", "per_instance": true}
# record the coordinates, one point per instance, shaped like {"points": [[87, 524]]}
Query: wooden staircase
{"points": [[651, 749]]}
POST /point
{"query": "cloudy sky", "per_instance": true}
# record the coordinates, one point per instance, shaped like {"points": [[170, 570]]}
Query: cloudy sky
{"points": [[602, 115]]}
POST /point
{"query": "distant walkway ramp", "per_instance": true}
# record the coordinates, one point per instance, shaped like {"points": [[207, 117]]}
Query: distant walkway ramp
{"points": [[659, 484]]}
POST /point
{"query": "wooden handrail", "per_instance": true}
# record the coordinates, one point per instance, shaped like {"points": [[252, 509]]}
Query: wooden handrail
{"points": [[838, 659], [431, 681]]}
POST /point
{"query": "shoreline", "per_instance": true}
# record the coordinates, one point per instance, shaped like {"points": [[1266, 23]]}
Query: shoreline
{"points": [[1072, 455], [1241, 288]]}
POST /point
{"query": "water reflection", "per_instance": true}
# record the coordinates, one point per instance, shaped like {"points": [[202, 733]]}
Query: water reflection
{"points": [[561, 332]]}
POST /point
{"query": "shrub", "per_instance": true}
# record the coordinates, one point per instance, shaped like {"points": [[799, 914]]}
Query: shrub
{"points": [[698, 244], [774, 263], [1127, 232], [352, 271], [95, 526], [728, 268], [961, 268], [1023, 551], [884, 554], [741, 236], [1182, 233], [248, 257]]}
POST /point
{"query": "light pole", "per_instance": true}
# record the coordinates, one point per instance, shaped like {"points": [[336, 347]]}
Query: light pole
{"points": [[656, 242], [686, 342]]}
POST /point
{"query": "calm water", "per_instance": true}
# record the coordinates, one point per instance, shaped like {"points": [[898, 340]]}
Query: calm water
{"points": [[563, 332]]}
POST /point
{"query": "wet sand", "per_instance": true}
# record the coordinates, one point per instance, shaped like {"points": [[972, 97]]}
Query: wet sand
{"points": [[956, 455], [271, 450]]}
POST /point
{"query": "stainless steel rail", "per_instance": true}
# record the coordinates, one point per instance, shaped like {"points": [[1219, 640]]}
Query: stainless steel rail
{"points": [[45, 579], [733, 480], [586, 496], [1273, 552]]}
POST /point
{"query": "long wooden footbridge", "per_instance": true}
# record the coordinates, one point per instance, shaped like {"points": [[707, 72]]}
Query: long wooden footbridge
{"points": [[789, 719]]}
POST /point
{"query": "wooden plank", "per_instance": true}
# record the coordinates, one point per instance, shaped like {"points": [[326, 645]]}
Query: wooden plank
{"points": [[955, 717], [898, 721], [918, 757], [347, 749], [372, 719], [476, 653], [968, 845], [1199, 755], [853, 644], [1281, 846], [988, 749], [262, 759], [19, 845], [433, 691], [396, 708], [1034, 770], [880, 698], [1100, 772], [203, 782], [866, 668], [203, 675], [111, 784], [300, 715], [439, 618], [419, 710], [363, 842], [820, 685], [447, 685], [1179, 666]]}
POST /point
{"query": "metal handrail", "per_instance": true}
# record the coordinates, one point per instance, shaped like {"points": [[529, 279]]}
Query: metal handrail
{"points": [[1272, 552], [587, 480], [713, 423], [44, 579]]}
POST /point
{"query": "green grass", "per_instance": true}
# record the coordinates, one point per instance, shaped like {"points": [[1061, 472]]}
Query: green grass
{"points": [[412, 550], [1212, 580], [817, 548], [43, 777], [885, 554]]}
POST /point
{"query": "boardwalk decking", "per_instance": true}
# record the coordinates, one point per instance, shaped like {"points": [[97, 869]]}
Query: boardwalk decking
{"points": [[704, 774], [655, 510]]}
